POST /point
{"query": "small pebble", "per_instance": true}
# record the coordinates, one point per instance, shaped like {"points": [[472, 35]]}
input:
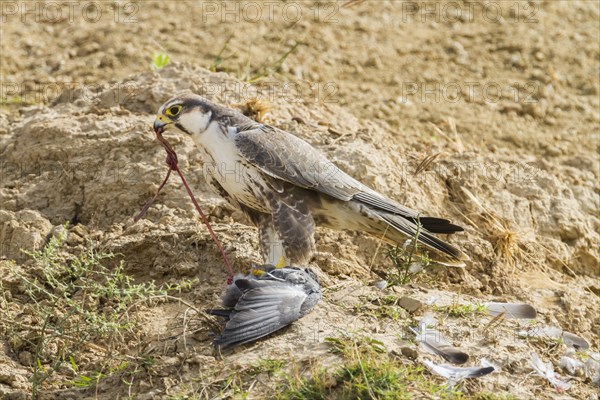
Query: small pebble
{"points": [[409, 304], [409, 353]]}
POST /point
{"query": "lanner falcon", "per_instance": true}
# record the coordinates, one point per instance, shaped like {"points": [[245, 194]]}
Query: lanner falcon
{"points": [[286, 186]]}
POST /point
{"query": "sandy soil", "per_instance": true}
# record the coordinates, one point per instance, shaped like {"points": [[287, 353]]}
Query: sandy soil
{"points": [[509, 102]]}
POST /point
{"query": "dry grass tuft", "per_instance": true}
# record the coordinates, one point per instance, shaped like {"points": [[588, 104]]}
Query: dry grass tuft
{"points": [[425, 163], [352, 3], [506, 241], [256, 109], [453, 137]]}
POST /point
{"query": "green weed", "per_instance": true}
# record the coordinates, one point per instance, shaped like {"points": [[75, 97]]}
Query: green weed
{"points": [[268, 365], [160, 60], [73, 305], [462, 310], [408, 261], [248, 72], [368, 372]]}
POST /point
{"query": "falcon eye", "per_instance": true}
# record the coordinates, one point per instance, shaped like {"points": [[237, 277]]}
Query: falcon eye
{"points": [[173, 111]]}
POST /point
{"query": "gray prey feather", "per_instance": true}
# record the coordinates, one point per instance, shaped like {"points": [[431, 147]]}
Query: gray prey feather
{"points": [[262, 304]]}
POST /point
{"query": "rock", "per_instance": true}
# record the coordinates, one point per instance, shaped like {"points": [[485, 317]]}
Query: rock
{"points": [[409, 352], [409, 304], [25, 230], [15, 395], [539, 56]]}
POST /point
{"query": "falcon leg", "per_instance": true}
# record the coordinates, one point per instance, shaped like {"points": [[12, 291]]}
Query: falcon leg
{"points": [[294, 224], [289, 231], [271, 245]]}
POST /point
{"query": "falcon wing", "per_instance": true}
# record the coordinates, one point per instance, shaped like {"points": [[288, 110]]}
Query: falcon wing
{"points": [[289, 158], [265, 307]]}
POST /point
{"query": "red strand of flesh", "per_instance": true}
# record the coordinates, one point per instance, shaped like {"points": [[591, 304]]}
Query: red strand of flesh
{"points": [[172, 163], [149, 202]]}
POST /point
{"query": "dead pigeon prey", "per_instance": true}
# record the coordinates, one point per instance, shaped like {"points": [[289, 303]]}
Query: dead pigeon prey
{"points": [[265, 301]]}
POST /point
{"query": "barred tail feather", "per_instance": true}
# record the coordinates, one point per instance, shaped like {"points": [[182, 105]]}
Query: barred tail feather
{"points": [[450, 255]]}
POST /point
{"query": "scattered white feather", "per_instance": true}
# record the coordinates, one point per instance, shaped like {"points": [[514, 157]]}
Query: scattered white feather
{"points": [[546, 370], [415, 267], [432, 300], [433, 342], [511, 310], [594, 355], [592, 367], [427, 320], [424, 334], [571, 365], [552, 332], [456, 374], [382, 284], [575, 341], [486, 363]]}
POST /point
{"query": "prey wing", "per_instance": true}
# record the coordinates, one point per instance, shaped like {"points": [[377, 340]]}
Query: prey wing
{"points": [[265, 307]]}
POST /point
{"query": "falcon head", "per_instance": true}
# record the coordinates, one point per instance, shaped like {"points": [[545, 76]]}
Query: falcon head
{"points": [[189, 113]]}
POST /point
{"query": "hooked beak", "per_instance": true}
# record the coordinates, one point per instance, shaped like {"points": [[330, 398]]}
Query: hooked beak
{"points": [[160, 124]]}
